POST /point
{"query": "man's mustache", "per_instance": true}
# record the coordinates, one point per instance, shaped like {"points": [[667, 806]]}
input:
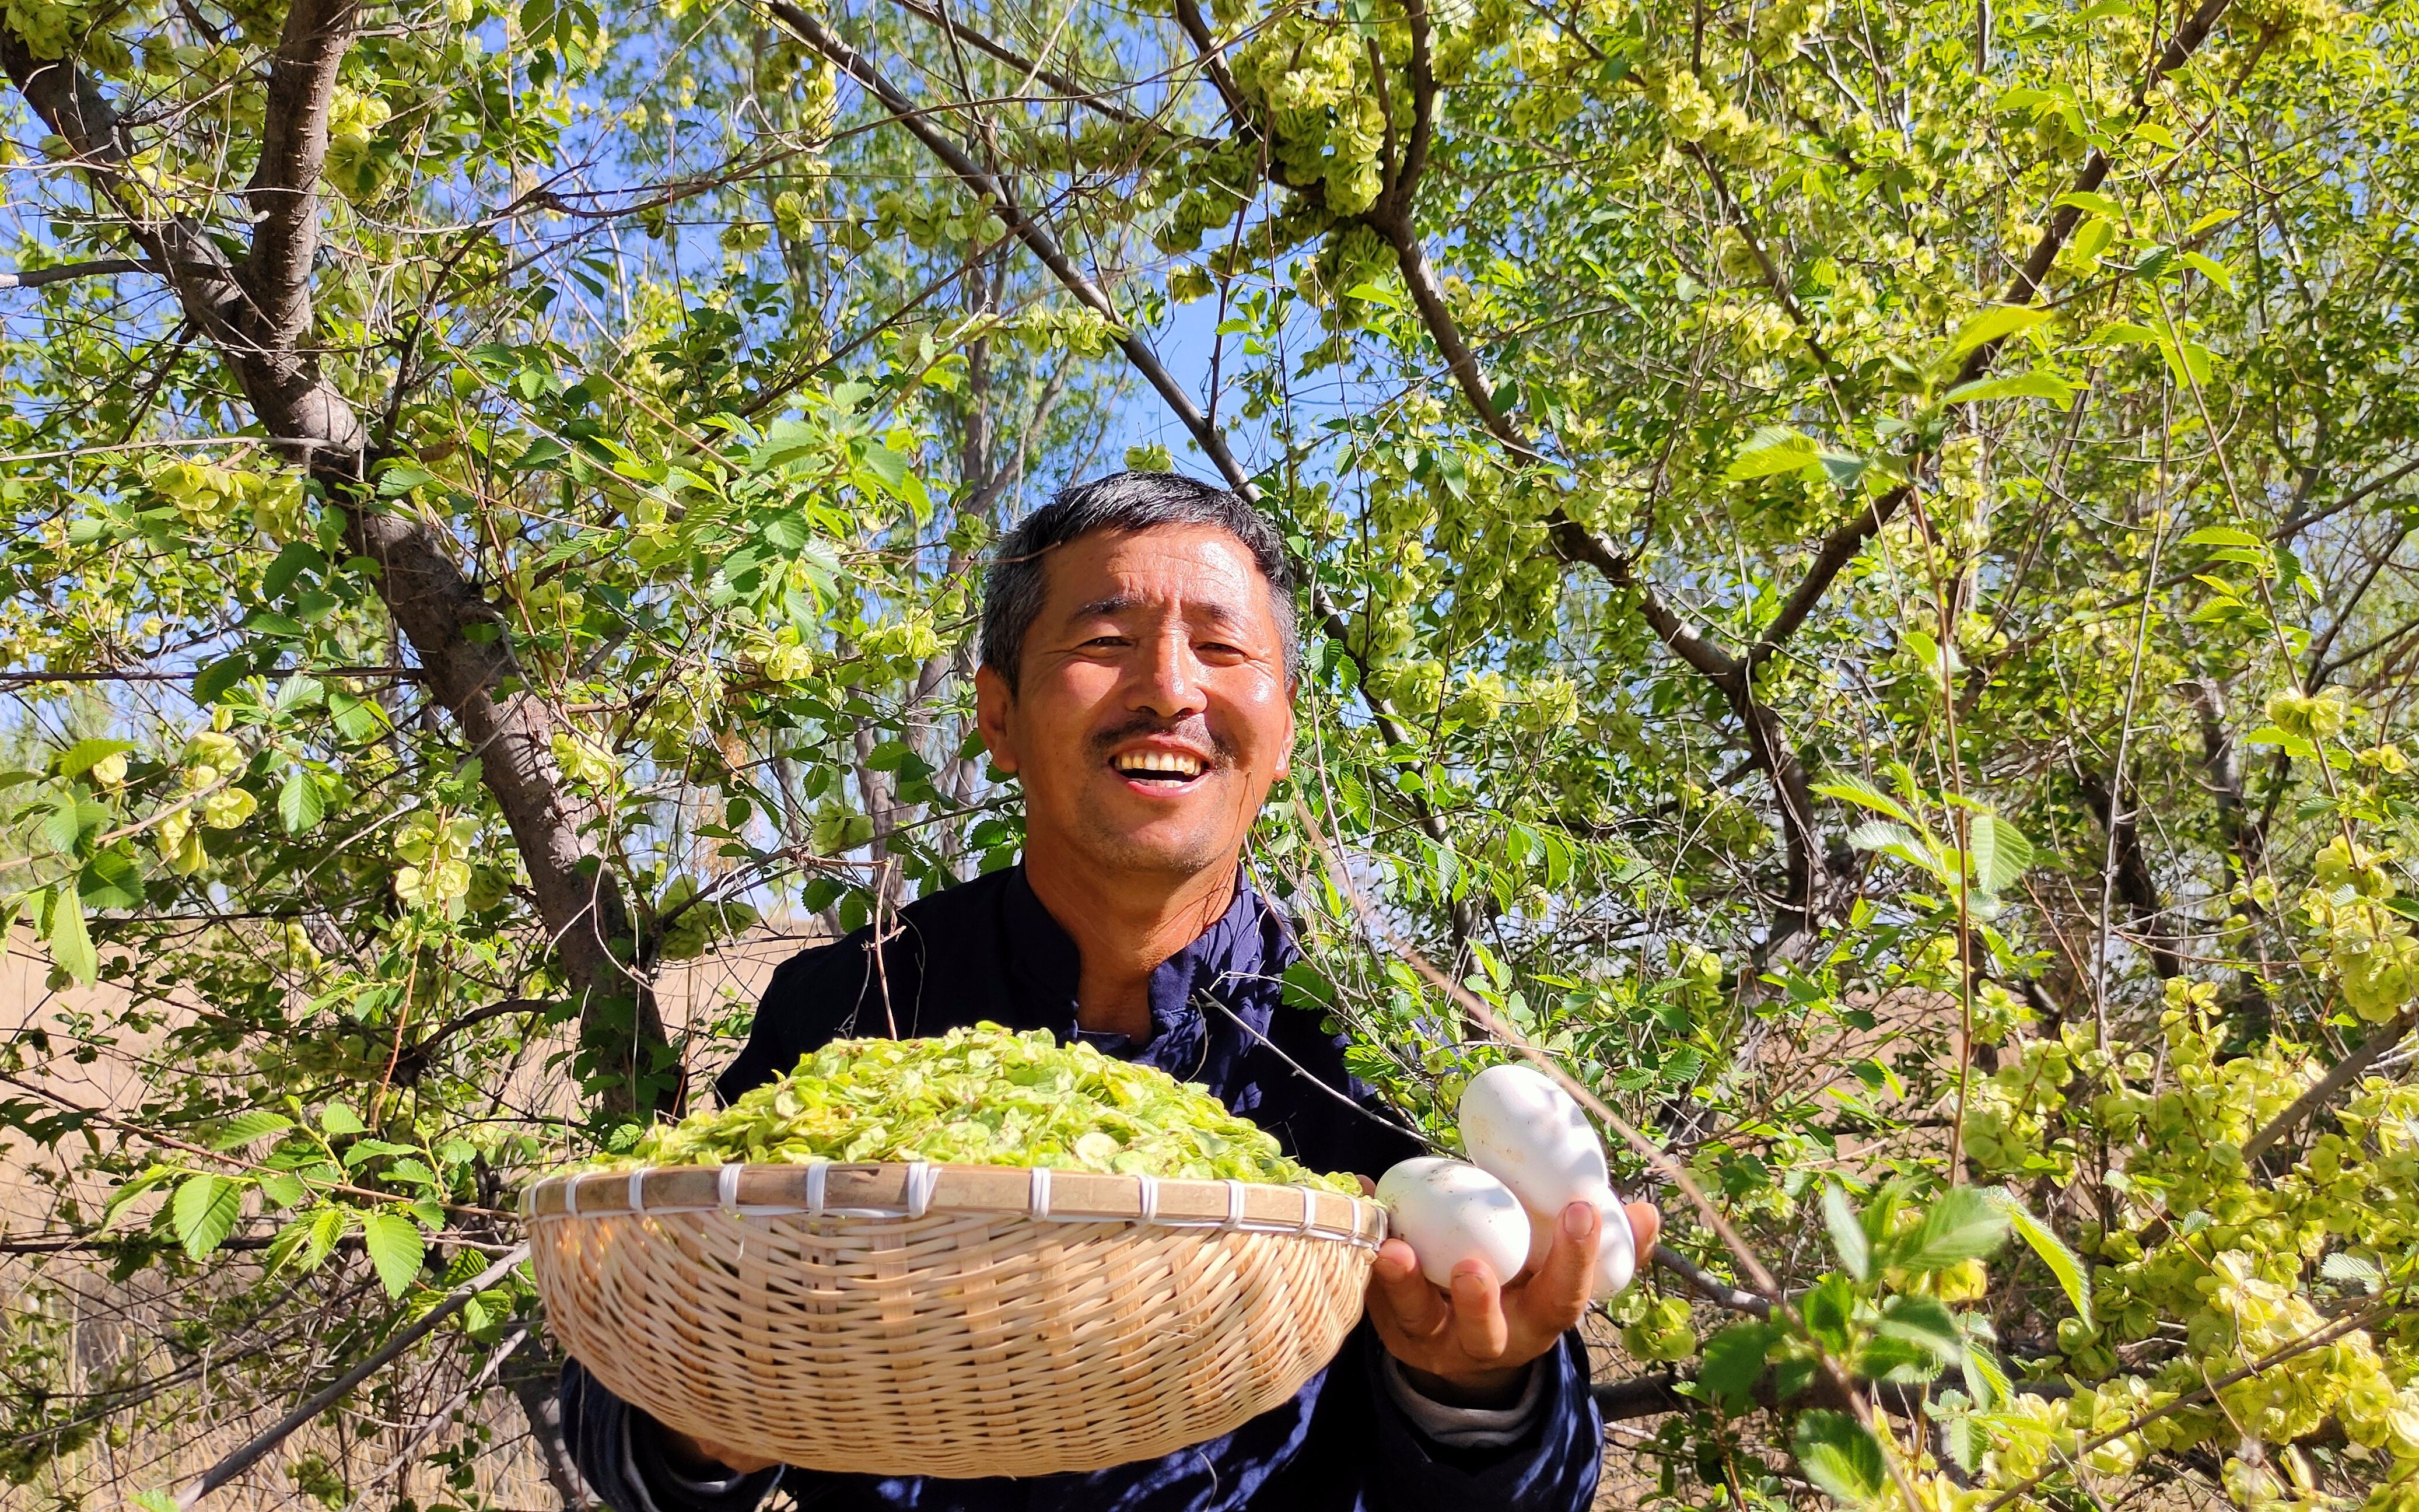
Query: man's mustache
{"points": [[1194, 732]]}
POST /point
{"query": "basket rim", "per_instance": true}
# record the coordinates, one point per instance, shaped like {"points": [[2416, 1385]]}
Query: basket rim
{"points": [[915, 1189]]}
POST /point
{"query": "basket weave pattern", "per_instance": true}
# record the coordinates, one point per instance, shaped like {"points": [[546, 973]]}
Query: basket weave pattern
{"points": [[947, 1320]]}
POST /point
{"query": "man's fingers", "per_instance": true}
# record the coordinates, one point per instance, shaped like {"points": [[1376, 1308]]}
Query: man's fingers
{"points": [[1396, 1285], [1558, 1293], [1478, 1322], [1646, 1227]]}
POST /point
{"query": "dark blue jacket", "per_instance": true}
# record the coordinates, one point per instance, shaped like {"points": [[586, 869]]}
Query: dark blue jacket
{"points": [[988, 950]]}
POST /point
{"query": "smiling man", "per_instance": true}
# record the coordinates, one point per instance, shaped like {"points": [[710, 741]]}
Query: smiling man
{"points": [[1139, 666]]}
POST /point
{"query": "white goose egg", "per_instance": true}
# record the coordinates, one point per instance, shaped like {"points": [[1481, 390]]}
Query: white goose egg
{"points": [[1449, 1211], [1521, 1127]]}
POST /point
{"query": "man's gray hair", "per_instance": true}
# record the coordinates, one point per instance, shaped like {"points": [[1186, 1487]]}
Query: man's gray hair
{"points": [[1014, 587]]}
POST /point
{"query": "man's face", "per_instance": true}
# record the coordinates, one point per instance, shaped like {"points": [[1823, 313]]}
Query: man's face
{"points": [[1152, 710]]}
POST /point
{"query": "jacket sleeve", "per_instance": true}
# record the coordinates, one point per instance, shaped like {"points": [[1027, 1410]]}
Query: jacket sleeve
{"points": [[812, 995], [1552, 1466], [619, 1452]]}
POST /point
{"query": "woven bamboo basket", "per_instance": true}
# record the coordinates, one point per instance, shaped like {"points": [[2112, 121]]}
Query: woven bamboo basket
{"points": [[947, 1319]]}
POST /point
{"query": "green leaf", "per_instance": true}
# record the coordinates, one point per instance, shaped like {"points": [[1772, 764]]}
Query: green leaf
{"points": [[2226, 536], [269, 622], [1840, 1457], [1734, 1360], [338, 1118], [246, 1127], [1999, 851], [2154, 262], [2096, 204], [112, 879], [213, 682], [1852, 789], [1773, 450], [301, 805], [1984, 1376], [155, 1501], [895, 472], [1847, 1235], [203, 1211], [2032, 384], [151, 1181], [2062, 1262], [1886, 839], [79, 758], [282, 1248], [292, 562], [543, 452], [72, 823], [355, 719], [1885, 1357], [283, 1189], [1827, 1310], [328, 1226], [1996, 323], [1846, 469], [2188, 361], [2125, 334], [788, 532], [397, 1249], [822, 566], [2210, 269], [71, 943], [1964, 1224], [400, 478], [1927, 1324], [1375, 293]]}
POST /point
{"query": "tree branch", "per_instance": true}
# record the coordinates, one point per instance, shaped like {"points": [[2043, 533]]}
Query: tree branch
{"points": [[242, 1459], [1095, 100], [2337, 1077], [1711, 1287], [284, 195], [103, 267], [1767, 740], [2134, 883], [1196, 30]]}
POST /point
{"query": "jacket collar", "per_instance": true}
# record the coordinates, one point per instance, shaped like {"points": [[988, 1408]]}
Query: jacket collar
{"points": [[1045, 967]]}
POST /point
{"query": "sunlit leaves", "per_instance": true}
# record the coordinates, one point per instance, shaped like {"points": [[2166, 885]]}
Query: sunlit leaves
{"points": [[1839, 1456], [204, 1210], [1995, 324], [397, 1249], [2062, 1262], [1848, 1239], [1773, 450]]}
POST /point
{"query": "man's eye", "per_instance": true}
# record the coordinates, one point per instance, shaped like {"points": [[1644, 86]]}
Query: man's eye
{"points": [[1104, 641]]}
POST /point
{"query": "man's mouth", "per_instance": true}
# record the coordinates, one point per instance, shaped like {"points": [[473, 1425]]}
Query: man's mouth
{"points": [[1159, 768]]}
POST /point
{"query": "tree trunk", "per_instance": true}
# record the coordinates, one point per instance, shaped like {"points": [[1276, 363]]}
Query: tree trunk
{"points": [[258, 315]]}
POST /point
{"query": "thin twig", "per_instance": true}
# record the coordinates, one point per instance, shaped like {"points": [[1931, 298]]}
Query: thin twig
{"points": [[242, 1459]]}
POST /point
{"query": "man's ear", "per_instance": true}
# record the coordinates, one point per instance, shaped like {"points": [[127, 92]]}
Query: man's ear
{"points": [[1285, 752], [993, 702]]}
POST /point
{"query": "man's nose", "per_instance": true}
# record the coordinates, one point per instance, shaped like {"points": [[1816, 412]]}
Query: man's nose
{"points": [[1169, 680]]}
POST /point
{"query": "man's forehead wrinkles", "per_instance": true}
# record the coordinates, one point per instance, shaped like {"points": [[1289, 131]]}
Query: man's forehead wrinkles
{"points": [[1214, 609]]}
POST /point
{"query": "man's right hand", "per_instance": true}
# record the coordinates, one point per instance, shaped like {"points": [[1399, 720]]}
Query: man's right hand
{"points": [[704, 1459]]}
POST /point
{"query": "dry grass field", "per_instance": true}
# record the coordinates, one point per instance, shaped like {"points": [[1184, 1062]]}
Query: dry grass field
{"points": [[186, 1380]]}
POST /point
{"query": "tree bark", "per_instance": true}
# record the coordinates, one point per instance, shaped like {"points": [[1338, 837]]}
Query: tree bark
{"points": [[2133, 880]]}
